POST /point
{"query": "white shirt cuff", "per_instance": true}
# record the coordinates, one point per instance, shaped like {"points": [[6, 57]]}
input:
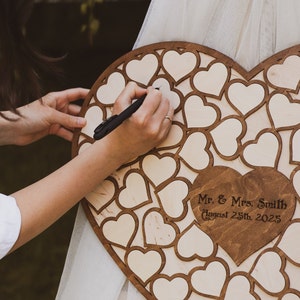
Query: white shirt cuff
{"points": [[10, 223]]}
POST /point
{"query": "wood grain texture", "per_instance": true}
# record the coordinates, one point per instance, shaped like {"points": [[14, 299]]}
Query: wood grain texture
{"points": [[218, 200]]}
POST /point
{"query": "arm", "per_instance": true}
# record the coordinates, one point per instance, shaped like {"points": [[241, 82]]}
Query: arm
{"points": [[45, 201]]}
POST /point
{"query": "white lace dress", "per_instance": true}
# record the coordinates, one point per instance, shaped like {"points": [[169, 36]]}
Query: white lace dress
{"points": [[246, 30]]}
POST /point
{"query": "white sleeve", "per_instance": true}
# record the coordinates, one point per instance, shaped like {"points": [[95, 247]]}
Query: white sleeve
{"points": [[10, 223]]}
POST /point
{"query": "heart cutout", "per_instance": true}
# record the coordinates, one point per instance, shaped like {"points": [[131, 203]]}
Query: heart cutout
{"points": [[93, 116], [239, 287], [288, 244], [291, 296], [170, 288], [194, 243], [173, 197], [157, 231], [119, 230], [295, 146], [144, 263], [108, 93], [186, 62], [296, 180], [226, 136], [284, 112], [198, 114], [158, 169], [287, 74], [211, 81], [134, 193], [246, 96], [173, 139], [267, 142], [143, 69], [194, 151], [270, 263], [201, 279], [242, 213]]}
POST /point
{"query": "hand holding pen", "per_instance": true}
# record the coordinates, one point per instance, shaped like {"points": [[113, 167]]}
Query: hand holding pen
{"points": [[147, 127], [116, 120]]}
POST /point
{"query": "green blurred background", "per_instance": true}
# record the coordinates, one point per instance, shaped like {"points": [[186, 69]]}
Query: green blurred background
{"points": [[33, 271]]}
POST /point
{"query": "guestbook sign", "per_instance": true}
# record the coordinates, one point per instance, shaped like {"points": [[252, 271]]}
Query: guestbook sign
{"points": [[212, 212]]}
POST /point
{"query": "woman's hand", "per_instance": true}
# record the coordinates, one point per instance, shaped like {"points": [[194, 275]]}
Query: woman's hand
{"points": [[53, 114], [146, 128], [53, 195]]}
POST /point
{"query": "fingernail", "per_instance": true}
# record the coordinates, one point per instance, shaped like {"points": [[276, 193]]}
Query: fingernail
{"points": [[81, 121]]}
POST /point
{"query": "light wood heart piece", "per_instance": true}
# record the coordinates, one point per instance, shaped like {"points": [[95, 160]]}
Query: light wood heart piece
{"points": [[213, 212]]}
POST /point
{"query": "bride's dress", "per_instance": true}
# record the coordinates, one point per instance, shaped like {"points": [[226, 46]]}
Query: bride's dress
{"points": [[248, 31]]}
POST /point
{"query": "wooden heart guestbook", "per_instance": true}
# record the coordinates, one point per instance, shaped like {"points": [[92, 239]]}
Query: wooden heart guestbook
{"points": [[212, 212]]}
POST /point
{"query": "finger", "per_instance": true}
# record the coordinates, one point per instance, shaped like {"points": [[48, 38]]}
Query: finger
{"points": [[67, 120], [132, 91], [74, 109], [163, 109], [65, 134], [168, 119], [163, 117], [152, 102], [69, 95], [75, 94], [170, 114]]}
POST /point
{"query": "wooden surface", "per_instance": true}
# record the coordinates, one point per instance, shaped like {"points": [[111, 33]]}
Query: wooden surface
{"points": [[242, 213], [213, 211]]}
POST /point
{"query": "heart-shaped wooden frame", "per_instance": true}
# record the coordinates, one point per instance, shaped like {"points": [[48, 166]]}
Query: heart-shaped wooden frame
{"points": [[164, 235]]}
